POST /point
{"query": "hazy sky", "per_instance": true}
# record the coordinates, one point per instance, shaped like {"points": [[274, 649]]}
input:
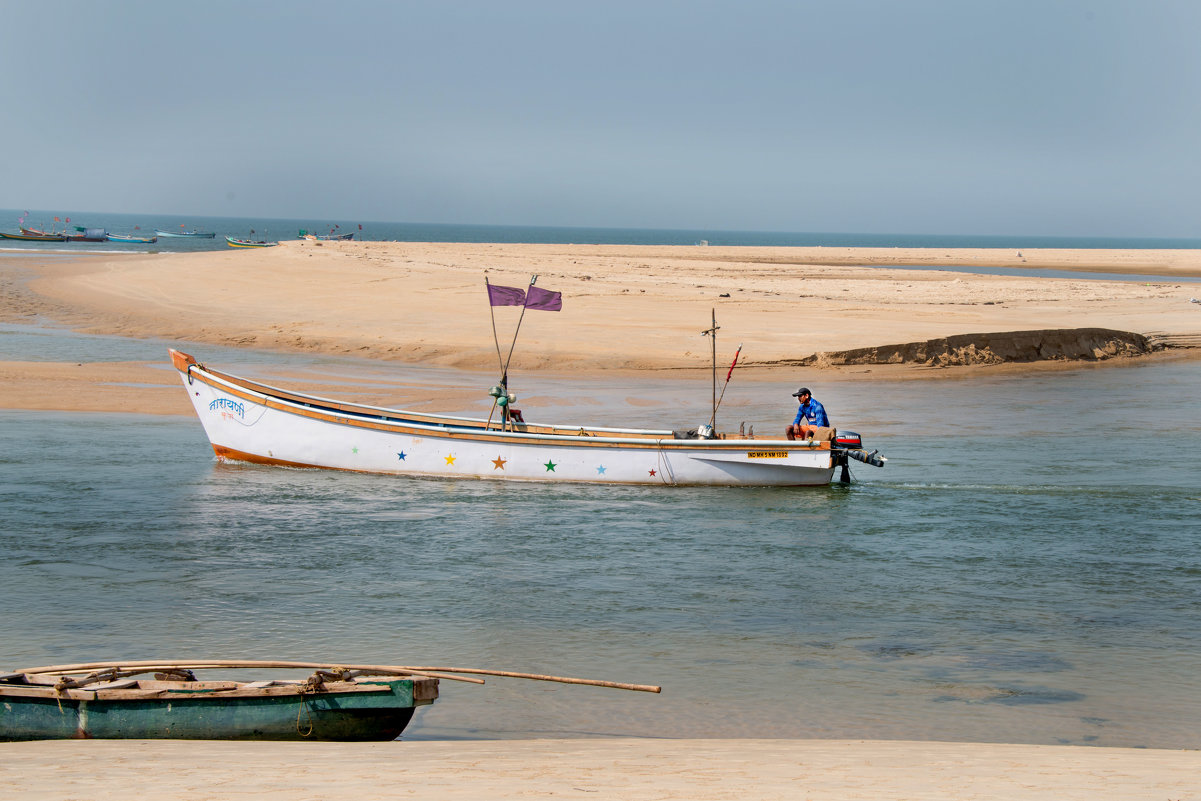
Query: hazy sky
{"points": [[1018, 117]]}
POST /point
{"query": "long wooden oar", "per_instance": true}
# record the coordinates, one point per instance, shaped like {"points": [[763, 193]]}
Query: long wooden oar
{"points": [[642, 688], [160, 664]]}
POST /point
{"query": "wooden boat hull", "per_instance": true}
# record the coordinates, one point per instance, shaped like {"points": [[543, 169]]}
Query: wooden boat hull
{"points": [[350, 711], [252, 422], [35, 237], [246, 243]]}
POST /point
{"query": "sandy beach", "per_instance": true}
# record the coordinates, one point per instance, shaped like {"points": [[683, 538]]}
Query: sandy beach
{"points": [[629, 769], [626, 308], [627, 311]]}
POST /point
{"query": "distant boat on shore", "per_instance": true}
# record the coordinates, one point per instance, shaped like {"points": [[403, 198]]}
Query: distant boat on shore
{"points": [[83, 234], [248, 243], [327, 237], [193, 233], [132, 238], [35, 236]]}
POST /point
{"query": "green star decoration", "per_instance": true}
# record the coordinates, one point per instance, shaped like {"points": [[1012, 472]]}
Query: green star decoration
{"points": [[354, 450], [550, 467]]}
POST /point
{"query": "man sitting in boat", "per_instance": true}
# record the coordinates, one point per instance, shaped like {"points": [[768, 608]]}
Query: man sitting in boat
{"points": [[810, 417]]}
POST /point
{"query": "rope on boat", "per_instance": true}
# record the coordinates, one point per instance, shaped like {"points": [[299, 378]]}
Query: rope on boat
{"points": [[666, 475], [304, 707]]}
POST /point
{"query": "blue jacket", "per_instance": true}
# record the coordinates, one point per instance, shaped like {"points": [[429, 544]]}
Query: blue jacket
{"points": [[812, 413]]}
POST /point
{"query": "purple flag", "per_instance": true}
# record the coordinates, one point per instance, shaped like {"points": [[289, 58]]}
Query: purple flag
{"points": [[544, 299], [505, 295]]}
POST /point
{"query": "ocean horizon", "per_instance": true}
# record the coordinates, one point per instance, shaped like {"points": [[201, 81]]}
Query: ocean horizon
{"points": [[276, 229]]}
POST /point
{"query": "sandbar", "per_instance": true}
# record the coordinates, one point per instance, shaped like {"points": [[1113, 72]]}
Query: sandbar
{"points": [[626, 309]]}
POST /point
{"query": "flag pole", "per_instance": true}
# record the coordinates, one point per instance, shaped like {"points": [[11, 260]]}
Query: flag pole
{"points": [[504, 379], [499, 361]]}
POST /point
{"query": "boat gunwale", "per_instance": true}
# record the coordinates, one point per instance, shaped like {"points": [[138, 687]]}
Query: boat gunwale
{"points": [[651, 439], [240, 690]]}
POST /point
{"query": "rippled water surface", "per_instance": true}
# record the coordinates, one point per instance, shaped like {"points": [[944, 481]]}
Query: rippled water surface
{"points": [[1024, 569]]}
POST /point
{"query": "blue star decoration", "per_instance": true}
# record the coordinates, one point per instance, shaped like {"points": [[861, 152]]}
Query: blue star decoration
{"points": [[550, 467], [401, 456], [601, 470]]}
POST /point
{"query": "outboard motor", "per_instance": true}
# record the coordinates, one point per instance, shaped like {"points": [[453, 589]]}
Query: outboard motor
{"points": [[848, 445], [848, 440]]}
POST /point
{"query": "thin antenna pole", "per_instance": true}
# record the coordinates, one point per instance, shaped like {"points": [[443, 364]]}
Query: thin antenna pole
{"points": [[713, 343], [713, 419], [712, 333]]}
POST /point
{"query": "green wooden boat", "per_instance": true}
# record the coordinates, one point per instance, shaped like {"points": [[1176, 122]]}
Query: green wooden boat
{"points": [[333, 704], [103, 700]]}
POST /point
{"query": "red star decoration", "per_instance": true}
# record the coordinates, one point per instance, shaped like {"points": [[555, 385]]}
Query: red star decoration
{"points": [[652, 472]]}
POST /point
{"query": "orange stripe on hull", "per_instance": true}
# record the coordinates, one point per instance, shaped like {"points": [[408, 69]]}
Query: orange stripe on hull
{"points": [[241, 456]]}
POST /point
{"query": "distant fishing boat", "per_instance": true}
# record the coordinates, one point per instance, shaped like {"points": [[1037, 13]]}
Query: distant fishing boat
{"points": [[193, 233], [87, 234], [42, 233], [248, 243], [330, 237], [327, 237], [37, 236], [132, 238]]}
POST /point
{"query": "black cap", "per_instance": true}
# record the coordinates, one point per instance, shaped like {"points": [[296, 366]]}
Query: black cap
{"points": [[802, 391]]}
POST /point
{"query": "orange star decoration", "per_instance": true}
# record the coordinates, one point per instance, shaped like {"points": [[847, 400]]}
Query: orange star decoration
{"points": [[499, 463], [450, 460]]}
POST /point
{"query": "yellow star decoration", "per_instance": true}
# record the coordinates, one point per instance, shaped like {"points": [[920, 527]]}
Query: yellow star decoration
{"points": [[450, 459], [499, 462]]}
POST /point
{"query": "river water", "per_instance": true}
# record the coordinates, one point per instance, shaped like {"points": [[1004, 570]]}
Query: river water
{"points": [[1024, 569]]}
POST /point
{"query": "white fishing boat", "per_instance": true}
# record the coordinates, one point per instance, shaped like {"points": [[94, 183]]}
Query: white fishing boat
{"points": [[248, 421], [193, 234]]}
